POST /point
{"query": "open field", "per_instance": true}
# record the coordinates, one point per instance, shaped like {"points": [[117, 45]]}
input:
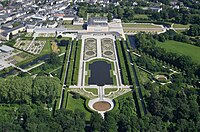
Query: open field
{"points": [[181, 26], [182, 48], [73, 104]]}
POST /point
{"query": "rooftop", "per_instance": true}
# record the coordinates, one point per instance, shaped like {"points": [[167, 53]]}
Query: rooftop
{"points": [[98, 21], [6, 48]]}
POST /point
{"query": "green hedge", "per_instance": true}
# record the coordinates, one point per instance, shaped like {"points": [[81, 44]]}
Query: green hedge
{"points": [[122, 63], [65, 62], [127, 58], [71, 65], [77, 62]]}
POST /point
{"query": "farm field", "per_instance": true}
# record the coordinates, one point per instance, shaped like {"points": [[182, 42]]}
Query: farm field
{"points": [[182, 48]]}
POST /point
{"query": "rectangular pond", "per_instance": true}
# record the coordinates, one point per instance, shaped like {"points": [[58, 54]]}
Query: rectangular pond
{"points": [[100, 73]]}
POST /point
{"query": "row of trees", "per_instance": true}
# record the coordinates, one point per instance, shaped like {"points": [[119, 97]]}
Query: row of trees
{"points": [[146, 43], [124, 72], [26, 90], [150, 64]]}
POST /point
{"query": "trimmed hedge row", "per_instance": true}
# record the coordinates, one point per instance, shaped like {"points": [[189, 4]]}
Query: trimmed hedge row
{"points": [[71, 64], [65, 61], [122, 63], [128, 62], [77, 62]]}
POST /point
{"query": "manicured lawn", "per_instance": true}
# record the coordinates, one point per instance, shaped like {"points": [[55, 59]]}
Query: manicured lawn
{"points": [[67, 22], [47, 48], [181, 26], [93, 90], [57, 73], [73, 104], [182, 48], [140, 16], [22, 56], [142, 30], [144, 77], [139, 26], [73, 26], [108, 90]]}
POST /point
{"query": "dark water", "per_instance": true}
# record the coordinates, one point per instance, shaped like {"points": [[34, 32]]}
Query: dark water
{"points": [[42, 58], [11, 72], [132, 41], [63, 43], [36, 61], [100, 73]]}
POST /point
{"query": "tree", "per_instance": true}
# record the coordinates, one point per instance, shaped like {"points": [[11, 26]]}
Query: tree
{"points": [[194, 30], [76, 95], [109, 17], [10, 35], [96, 121], [120, 12], [110, 124]]}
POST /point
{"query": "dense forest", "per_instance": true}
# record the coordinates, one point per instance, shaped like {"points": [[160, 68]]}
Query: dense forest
{"points": [[26, 90]]}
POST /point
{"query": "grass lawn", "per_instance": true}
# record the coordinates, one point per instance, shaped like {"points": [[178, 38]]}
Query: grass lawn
{"points": [[108, 90], [62, 49], [47, 48], [139, 26], [140, 16], [181, 26], [142, 30], [66, 22], [182, 48], [22, 56], [93, 90], [144, 77], [73, 26], [57, 73], [73, 104]]}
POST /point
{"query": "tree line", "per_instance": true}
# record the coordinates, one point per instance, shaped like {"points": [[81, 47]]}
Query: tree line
{"points": [[146, 43]]}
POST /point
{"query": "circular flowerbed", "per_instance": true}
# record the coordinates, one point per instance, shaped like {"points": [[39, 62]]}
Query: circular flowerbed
{"points": [[161, 77], [101, 106]]}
